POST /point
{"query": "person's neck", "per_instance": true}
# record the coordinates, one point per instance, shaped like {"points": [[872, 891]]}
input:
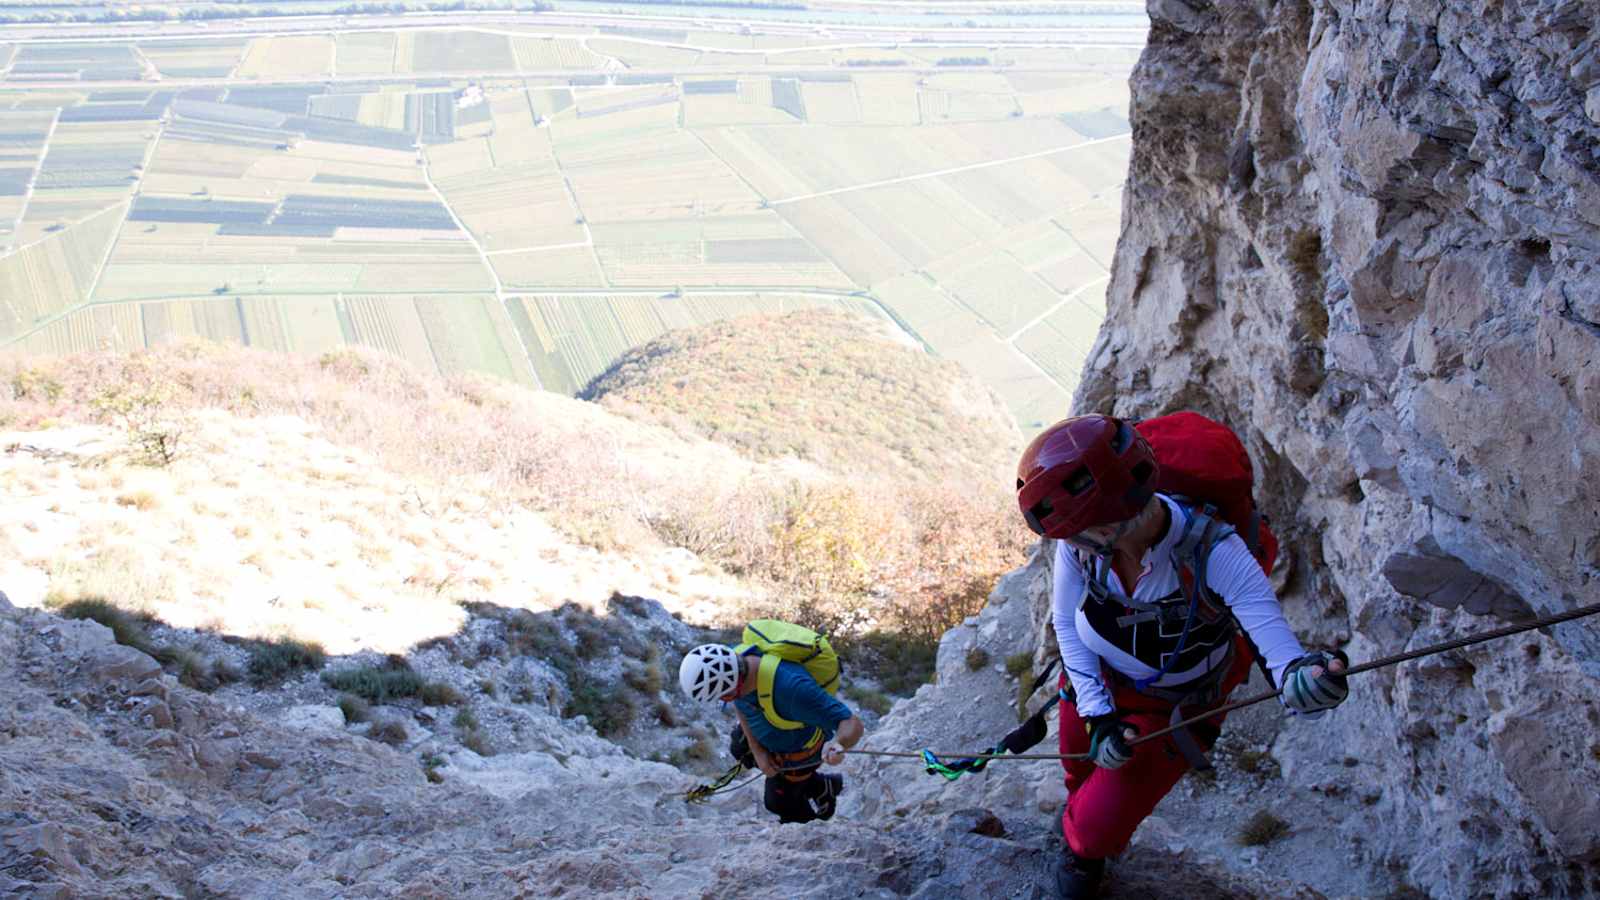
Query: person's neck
{"points": [[1135, 543], [747, 680]]}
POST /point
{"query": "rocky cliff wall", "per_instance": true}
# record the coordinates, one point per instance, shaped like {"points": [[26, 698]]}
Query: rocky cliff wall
{"points": [[1367, 234]]}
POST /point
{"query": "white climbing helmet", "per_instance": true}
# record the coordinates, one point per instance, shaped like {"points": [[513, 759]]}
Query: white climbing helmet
{"points": [[709, 672]]}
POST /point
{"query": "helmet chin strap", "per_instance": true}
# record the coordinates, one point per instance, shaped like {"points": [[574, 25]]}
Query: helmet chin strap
{"points": [[1105, 549]]}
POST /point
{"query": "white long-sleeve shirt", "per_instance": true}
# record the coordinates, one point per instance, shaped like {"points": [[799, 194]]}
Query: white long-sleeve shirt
{"points": [[1088, 636]]}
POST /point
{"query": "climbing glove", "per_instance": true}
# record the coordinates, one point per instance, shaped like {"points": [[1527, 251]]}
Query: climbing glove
{"points": [[1108, 746], [1309, 694]]}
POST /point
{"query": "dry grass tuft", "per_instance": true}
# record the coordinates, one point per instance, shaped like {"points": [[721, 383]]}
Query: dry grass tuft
{"points": [[1261, 829], [143, 501], [355, 709], [389, 731], [436, 693]]}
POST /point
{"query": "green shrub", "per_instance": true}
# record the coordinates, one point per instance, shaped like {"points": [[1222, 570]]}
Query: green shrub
{"points": [[126, 628], [1019, 663], [465, 719], [33, 384], [977, 658], [868, 699], [273, 661], [488, 687], [899, 662], [142, 404], [530, 635], [665, 714], [354, 708], [1261, 829], [594, 637], [610, 712], [436, 693], [375, 684]]}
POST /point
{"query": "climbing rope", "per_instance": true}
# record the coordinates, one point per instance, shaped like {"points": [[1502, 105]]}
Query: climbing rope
{"points": [[725, 785], [704, 792], [931, 759]]}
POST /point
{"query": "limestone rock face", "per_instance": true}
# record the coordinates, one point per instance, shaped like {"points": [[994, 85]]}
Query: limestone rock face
{"points": [[1367, 235]]}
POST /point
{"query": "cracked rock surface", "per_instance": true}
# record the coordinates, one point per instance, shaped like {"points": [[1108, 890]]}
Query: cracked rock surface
{"points": [[1368, 236]]}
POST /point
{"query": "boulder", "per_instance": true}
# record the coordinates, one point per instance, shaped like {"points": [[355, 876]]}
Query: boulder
{"points": [[120, 664], [312, 717]]}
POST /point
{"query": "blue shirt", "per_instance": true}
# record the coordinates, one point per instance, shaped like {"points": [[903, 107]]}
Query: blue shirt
{"points": [[797, 697]]}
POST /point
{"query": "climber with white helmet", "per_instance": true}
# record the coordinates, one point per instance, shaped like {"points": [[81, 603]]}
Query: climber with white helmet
{"points": [[789, 721], [1160, 604]]}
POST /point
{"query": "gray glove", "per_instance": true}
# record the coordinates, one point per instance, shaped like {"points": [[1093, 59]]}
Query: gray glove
{"points": [[1306, 693], [1108, 746]]}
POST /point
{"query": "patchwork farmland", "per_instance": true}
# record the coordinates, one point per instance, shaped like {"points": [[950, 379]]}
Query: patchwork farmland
{"points": [[531, 200]]}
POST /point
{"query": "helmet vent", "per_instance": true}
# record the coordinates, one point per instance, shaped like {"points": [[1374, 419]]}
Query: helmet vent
{"points": [[1079, 482], [1142, 472], [1123, 437]]}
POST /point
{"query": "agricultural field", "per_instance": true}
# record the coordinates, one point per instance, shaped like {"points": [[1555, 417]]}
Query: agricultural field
{"points": [[280, 56], [86, 168], [52, 275], [533, 201], [459, 51], [195, 58], [436, 332], [540, 54], [365, 52], [750, 249]]}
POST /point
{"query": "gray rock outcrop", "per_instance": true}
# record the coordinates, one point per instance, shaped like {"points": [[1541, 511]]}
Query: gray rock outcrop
{"points": [[1367, 235]]}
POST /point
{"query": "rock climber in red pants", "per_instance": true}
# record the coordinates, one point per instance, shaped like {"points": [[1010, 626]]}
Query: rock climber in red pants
{"points": [[1141, 644]]}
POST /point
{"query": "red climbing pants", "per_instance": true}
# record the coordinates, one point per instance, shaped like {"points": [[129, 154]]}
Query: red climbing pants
{"points": [[1105, 806]]}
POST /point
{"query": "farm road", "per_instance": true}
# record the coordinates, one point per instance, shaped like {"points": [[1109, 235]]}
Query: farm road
{"points": [[968, 168]]}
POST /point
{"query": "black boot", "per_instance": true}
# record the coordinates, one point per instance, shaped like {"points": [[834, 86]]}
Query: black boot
{"points": [[1077, 878], [824, 804]]}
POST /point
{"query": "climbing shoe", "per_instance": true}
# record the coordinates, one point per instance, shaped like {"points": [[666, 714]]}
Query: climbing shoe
{"points": [[825, 804], [1076, 878]]}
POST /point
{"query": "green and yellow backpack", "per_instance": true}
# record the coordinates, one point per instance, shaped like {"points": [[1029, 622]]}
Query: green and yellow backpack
{"points": [[780, 641]]}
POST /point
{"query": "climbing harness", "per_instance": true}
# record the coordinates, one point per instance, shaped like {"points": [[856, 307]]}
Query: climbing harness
{"points": [[969, 761]]}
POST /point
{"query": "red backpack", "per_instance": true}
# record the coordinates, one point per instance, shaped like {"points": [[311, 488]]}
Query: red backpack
{"points": [[1204, 464]]}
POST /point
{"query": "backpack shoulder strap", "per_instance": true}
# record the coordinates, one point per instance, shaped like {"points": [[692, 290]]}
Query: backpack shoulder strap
{"points": [[1202, 531], [764, 679]]}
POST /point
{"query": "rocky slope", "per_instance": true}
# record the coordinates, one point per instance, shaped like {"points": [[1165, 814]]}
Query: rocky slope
{"points": [[833, 388], [119, 782], [1368, 235]]}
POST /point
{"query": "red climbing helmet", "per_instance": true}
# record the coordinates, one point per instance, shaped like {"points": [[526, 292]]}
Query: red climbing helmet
{"points": [[1083, 472]]}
